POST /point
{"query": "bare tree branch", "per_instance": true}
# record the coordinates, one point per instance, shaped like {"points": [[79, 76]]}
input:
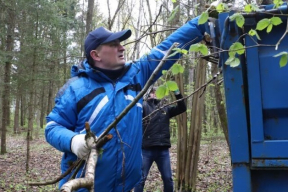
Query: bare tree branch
{"points": [[119, 6], [286, 31], [88, 180]]}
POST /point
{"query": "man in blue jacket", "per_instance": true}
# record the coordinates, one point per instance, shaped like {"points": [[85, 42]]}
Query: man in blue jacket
{"points": [[100, 88]]}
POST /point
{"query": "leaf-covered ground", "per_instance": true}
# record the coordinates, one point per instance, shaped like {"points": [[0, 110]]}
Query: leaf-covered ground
{"points": [[214, 167]]}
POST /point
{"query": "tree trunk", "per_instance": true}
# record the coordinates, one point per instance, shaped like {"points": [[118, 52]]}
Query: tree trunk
{"points": [[196, 123], [195, 129], [111, 20], [221, 107], [89, 17], [182, 140], [42, 106], [8, 113], [36, 115], [22, 109], [5, 105], [16, 115], [181, 123], [153, 44], [137, 29], [31, 107], [50, 97], [7, 74]]}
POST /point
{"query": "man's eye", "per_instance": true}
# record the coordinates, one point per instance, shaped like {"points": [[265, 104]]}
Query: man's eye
{"points": [[114, 44]]}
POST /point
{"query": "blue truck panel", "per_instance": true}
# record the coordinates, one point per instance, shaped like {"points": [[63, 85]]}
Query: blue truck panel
{"points": [[256, 95], [233, 80]]}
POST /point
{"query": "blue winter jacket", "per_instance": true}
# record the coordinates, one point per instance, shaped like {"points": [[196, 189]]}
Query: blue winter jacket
{"points": [[90, 96]]}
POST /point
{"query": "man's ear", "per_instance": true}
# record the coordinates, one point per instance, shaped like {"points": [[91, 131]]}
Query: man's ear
{"points": [[94, 55]]}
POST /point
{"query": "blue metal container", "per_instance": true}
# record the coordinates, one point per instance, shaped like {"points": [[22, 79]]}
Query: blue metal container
{"points": [[257, 104]]}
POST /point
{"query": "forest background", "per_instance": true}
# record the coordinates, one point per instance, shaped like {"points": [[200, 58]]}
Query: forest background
{"points": [[39, 42]]}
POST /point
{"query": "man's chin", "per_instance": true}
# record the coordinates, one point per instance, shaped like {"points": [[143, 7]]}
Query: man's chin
{"points": [[119, 65]]}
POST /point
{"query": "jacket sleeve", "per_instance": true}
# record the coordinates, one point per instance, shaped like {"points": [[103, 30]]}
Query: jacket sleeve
{"points": [[62, 119], [190, 33], [145, 106], [179, 108]]}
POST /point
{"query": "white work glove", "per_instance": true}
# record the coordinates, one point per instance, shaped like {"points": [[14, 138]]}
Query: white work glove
{"points": [[79, 146]]}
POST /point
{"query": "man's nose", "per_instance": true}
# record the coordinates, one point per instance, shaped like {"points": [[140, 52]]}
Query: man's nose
{"points": [[121, 48]]}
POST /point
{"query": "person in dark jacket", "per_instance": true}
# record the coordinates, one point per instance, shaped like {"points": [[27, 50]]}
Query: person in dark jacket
{"points": [[156, 138]]}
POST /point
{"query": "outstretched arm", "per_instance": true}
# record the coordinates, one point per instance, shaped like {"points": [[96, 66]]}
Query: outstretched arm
{"points": [[188, 34], [179, 108]]}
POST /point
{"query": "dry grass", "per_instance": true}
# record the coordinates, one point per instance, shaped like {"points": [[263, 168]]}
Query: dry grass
{"points": [[214, 167]]}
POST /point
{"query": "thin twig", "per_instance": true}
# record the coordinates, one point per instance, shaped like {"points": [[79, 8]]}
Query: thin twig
{"points": [[72, 167], [276, 47], [146, 34]]}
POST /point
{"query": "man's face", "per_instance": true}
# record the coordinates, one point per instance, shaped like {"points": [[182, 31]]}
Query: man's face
{"points": [[152, 95], [110, 55]]}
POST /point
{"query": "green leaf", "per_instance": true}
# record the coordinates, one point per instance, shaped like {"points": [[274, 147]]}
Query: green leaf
{"points": [[276, 21], [232, 61], [203, 49], [253, 32], [194, 47], [240, 20], [164, 72], [248, 8], [236, 48], [269, 28], [181, 69], [199, 47], [174, 1], [184, 51], [173, 54], [221, 7], [229, 60], [258, 37], [283, 60], [161, 91], [255, 7], [262, 24], [233, 17], [172, 85], [277, 3], [176, 51], [177, 68], [173, 13], [235, 62], [203, 18]]}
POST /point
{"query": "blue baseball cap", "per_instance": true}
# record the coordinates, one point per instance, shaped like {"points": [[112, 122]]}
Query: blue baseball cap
{"points": [[102, 35]]}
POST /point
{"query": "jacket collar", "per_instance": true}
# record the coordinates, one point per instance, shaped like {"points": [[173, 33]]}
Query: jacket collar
{"points": [[154, 101], [85, 69]]}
